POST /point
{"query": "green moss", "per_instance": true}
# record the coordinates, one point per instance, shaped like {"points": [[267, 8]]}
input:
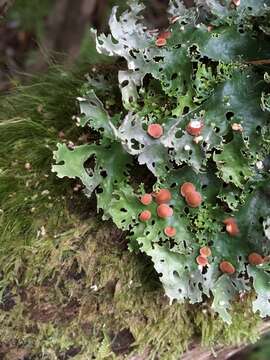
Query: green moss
{"points": [[242, 330], [103, 294], [30, 199]]}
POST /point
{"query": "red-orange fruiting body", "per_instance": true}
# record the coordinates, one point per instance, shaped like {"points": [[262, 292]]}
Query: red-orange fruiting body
{"points": [[205, 251], [231, 226], [195, 127], [165, 34], [164, 211], [145, 215], [255, 259], [193, 199], [201, 260], [146, 199], [236, 2], [155, 131], [232, 229], [227, 267], [161, 42], [187, 187], [229, 220], [163, 196], [170, 231]]}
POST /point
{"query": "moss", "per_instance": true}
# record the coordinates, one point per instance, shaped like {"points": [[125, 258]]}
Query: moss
{"points": [[68, 284], [103, 294], [31, 198], [242, 330]]}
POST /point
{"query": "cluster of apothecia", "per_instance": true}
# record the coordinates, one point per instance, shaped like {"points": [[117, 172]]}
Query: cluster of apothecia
{"points": [[192, 197], [162, 199], [225, 266], [193, 128], [202, 259], [161, 39]]}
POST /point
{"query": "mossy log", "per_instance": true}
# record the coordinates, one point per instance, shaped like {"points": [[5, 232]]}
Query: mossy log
{"points": [[69, 285]]}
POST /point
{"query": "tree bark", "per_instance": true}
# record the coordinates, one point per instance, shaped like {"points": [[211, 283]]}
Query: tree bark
{"points": [[65, 28], [69, 21], [4, 6], [222, 353]]}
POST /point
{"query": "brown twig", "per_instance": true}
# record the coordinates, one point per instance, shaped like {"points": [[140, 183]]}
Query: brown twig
{"points": [[220, 353], [258, 62]]}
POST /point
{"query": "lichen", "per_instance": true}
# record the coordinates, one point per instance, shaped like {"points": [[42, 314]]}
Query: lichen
{"points": [[68, 283]]}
